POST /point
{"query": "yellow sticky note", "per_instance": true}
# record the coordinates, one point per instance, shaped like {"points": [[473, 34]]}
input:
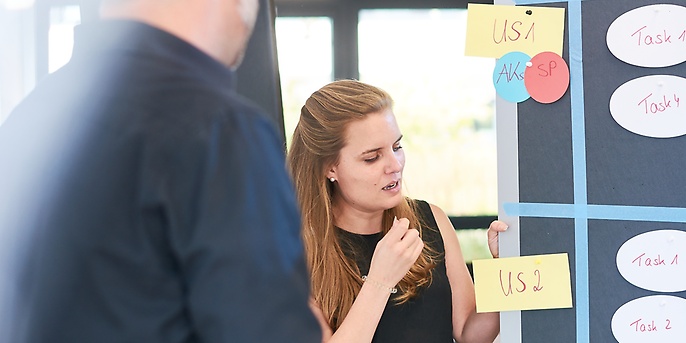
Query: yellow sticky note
{"points": [[494, 30], [523, 283]]}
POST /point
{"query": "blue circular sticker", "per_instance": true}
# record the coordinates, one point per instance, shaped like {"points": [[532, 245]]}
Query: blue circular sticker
{"points": [[508, 76]]}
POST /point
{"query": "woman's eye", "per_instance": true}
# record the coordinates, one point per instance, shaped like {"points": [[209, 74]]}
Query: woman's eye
{"points": [[372, 159], [397, 147]]}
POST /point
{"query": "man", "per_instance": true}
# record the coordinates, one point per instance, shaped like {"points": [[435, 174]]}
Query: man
{"points": [[142, 199]]}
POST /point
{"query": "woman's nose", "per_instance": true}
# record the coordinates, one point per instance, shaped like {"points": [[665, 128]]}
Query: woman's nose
{"points": [[393, 164]]}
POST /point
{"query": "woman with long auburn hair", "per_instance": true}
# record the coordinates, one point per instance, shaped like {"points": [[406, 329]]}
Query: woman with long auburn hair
{"points": [[383, 267]]}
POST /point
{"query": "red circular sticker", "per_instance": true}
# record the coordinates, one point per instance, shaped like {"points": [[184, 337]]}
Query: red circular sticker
{"points": [[547, 77]]}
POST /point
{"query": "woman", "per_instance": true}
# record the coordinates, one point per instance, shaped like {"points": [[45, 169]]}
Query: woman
{"points": [[383, 267]]}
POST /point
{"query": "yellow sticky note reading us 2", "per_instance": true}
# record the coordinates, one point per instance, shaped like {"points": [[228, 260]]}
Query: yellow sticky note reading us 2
{"points": [[523, 283], [494, 30]]}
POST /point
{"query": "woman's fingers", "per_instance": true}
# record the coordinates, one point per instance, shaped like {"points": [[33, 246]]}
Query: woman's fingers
{"points": [[494, 230], [398, 230], [396, 252]]}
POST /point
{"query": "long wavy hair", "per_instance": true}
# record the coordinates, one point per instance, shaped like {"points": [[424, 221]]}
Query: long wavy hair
{"points": [[317, 141]]}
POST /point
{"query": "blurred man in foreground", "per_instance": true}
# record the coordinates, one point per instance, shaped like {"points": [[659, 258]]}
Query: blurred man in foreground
{"points": [[142, 199]]}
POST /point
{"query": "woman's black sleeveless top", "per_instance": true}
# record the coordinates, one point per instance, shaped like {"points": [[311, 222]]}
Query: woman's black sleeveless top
{"points": [[427, 318]]}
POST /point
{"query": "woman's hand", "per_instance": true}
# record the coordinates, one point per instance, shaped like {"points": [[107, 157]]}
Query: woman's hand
{"points": [[395, 254], [494, 230]]}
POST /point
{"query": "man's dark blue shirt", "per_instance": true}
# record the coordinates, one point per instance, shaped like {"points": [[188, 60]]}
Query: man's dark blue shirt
{"points": [[143, 200]]}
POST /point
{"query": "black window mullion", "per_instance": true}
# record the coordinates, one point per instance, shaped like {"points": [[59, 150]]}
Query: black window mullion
{"points": [[345, 51]]}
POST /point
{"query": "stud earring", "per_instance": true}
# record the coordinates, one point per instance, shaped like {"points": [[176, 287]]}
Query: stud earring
{"points": [[332, 179]]}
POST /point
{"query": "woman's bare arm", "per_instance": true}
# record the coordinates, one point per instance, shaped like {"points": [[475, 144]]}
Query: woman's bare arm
{"points": [[468, 326]]}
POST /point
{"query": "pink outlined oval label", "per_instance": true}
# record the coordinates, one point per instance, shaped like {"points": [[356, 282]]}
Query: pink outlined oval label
{"points": [[651, 106], [655, 260], [649, 36], [655, 318]]}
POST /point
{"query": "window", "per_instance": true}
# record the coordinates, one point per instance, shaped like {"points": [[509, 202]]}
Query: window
{"points": [[444, 103], [61, 34], [305, 62], [17, 48]]}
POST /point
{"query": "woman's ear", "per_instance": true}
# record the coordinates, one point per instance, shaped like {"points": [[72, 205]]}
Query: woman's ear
{"points": [[331, 173]]}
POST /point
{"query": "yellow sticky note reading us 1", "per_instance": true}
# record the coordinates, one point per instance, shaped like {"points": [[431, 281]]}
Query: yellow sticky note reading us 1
{"points": [[523, 283], [494, 30]]}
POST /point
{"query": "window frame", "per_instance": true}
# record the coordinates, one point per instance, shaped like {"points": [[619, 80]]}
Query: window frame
{"points": [[344, 16]]}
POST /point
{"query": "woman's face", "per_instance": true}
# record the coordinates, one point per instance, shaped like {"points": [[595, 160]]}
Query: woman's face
{"points": [[369, 170]]}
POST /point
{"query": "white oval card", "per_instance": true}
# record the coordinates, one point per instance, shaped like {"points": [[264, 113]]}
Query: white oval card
{"points": [[649, 36], [651, 106]]}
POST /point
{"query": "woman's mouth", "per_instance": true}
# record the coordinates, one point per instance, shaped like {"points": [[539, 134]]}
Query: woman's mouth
{"points": [[391, 185]]}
